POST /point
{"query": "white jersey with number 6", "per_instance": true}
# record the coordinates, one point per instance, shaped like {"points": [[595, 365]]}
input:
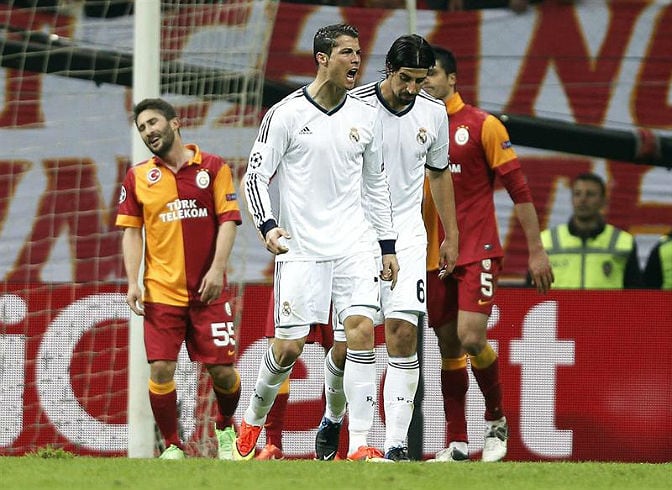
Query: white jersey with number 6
{"points": [[413, 139]]}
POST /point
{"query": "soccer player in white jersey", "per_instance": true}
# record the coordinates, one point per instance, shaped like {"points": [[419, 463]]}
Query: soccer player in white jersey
{"points": [[415, 142], [324, 147]]}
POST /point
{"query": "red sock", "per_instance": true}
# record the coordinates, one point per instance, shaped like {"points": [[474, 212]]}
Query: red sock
{"points": [[275, 420], [164, 408], [488, 382], [226, 404], [454, 386]]}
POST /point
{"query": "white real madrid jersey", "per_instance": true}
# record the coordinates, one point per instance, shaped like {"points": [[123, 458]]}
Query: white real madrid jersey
{"points": [[413, 139], [326, 163]]}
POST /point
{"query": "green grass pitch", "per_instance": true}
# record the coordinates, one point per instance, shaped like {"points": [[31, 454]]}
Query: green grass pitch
{"points": [[32, 472]]}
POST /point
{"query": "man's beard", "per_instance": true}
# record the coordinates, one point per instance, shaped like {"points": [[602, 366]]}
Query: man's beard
{"points": [[167, 139]]}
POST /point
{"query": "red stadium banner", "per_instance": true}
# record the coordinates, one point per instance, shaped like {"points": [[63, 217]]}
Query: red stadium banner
{"points": [[584, 379], [612, 69]]}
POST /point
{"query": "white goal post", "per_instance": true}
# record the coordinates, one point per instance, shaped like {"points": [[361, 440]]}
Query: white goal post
{"points": [[146, 83]]}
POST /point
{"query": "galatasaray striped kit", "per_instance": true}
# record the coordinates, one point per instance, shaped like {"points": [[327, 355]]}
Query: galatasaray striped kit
{"points": [[181, 213], [479, 150]]}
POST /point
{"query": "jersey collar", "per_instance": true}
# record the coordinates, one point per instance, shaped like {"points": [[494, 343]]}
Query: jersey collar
{"points": [[197, 159], [379, 94], [327, 112], [454, 103]]}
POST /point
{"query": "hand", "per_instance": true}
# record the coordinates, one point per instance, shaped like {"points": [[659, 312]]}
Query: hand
{"points": [[211, 286], [134, 299], [447, 257], [390, 269], [276, 241], [541, 271]]}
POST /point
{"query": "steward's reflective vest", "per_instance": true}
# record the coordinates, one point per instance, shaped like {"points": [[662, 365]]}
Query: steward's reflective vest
{"points": [[593, 263], [665, 252]]}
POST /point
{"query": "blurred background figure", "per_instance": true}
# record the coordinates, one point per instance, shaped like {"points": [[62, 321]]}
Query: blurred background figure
{"points": [[587, 252], [658, 270]]}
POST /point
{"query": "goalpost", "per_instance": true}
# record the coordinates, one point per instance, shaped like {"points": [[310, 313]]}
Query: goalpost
{"points": [[146, 83], [71, 72]]}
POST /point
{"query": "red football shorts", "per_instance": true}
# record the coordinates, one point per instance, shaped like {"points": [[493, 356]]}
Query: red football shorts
{"points": [[470, 287], [207, 330], [319, 332]]}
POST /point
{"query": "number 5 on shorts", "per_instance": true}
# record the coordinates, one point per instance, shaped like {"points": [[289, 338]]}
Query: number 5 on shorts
{"points": [[223, 334]]}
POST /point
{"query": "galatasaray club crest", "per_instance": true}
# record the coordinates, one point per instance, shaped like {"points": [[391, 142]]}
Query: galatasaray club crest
{"points": [[154, 175], [354, 135], [203, 179], [462, 135], [421, 137]]}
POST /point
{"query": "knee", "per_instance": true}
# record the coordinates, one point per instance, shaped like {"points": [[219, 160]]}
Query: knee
{"points": [[473, 344], [359, 332], [162, 371], [286, 352], [224, 376], [401, 338]]}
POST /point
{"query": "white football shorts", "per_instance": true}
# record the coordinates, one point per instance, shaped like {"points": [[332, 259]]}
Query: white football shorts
{"points": [[304, 291], [408, 300]]}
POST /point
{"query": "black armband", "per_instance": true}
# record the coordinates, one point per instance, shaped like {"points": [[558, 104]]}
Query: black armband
{"points": [[266, 226], [387, 246]]}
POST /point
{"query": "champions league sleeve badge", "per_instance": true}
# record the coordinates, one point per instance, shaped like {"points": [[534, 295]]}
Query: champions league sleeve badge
{"points": [[203, 179], [122, 194], [255, 160]]}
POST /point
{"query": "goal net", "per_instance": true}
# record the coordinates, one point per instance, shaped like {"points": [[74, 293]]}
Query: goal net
{"points": [[66, 129]]}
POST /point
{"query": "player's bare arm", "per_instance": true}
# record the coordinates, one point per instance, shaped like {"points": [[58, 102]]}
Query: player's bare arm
{"points": [[132, 247], [443, 194], [276, 240], [539, 264]]}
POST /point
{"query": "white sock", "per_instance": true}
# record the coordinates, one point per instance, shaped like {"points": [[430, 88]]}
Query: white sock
{"points": [[359, 384], [401, 383], [270, 378], [333, 390]]}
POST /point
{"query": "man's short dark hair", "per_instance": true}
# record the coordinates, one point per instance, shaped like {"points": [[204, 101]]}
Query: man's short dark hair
{"points": [[325, 37], [410, 51], [591, 177], [446, 58], [158, 105]]}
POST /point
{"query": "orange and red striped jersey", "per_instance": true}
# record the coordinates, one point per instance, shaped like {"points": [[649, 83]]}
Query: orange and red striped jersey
{"points": [[181, 213], [479, 149]]}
